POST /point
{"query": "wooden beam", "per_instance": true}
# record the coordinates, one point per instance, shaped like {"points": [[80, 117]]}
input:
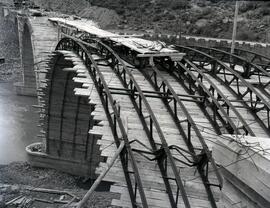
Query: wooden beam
{"points": [[173, 56], [101, 176]]}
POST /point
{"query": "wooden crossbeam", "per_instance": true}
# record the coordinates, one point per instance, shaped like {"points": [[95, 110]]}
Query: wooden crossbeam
{"points": [[173, 56]]}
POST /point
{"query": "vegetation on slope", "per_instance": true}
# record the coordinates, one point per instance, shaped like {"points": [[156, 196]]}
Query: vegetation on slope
{"points": [[194, 17], [210, 18], [104, 16], [64, 6]]}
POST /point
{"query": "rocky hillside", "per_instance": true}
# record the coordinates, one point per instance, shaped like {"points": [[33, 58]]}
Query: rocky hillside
{"points": [[211, 18], [9, 47], [64, 6], [194, 17], [106, 18]]}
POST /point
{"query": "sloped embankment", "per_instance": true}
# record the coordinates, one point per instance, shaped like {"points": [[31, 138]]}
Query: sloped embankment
{"points": [[106, 18]]}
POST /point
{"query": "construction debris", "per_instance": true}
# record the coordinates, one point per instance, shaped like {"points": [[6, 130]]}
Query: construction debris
{"points": [[26, 178], [37, 197]]}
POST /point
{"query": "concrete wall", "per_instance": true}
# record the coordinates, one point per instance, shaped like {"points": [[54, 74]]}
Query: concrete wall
{"points": [[28, 59], [245, 168], [261, 48]]}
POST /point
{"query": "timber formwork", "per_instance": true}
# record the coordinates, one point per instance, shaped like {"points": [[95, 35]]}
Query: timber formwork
{"points": [[157, 163], [168, 116], [66, 117]]}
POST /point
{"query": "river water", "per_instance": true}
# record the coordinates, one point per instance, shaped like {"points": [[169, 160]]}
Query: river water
{"points": [[18, 124]]}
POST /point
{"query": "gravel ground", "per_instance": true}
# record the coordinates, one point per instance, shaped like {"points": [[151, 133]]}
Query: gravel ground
{"points": [[20, 174]]}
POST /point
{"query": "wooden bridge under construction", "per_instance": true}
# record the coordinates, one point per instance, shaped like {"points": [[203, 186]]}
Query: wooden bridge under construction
{"points": [[194, 121]]}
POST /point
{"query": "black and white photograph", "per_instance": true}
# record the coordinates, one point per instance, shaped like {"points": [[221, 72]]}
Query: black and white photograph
{"points": [[134, 104]]}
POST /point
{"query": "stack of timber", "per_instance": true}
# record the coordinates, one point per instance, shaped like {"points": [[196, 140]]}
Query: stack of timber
{"points": [[142, 46]]}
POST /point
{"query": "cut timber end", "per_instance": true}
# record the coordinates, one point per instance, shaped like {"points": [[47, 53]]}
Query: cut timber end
{"points": [[2, 60]]}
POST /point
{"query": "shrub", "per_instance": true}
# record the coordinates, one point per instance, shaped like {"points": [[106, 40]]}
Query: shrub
{"points": [[206, 11], [157, 18], [246, 6], [247, 35], [170, 16], [120, 11], [265, 11], [179, 4], [163, 3]]}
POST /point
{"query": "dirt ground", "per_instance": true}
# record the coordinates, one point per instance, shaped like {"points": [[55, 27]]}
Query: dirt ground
{"points": [[15, 176]]}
